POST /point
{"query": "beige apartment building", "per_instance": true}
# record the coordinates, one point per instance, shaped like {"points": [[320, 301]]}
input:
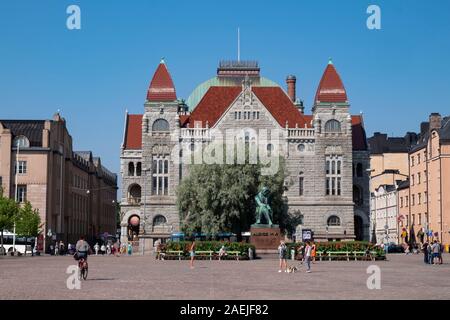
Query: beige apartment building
{"points": [[389, 158], [425, 203], [74, 193]]}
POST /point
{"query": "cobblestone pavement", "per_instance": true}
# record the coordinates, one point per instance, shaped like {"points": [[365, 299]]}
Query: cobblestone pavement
{"points": [[141, 277]]}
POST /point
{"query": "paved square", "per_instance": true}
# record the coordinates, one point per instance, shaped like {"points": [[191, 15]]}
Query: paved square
{"points": [[141, 277]]}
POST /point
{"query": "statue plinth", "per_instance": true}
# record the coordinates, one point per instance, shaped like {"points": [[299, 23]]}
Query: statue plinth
{"points": [[266, 238]]}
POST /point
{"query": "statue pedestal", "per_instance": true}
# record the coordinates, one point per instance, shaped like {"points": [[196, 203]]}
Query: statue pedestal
{"points": [[265, 238]]}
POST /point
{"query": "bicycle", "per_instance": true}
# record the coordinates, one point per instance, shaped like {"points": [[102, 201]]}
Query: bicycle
{"points": [[82, 269]]}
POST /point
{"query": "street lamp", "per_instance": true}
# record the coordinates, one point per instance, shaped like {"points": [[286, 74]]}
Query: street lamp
{"points": [[373, 235], [144, 198]]}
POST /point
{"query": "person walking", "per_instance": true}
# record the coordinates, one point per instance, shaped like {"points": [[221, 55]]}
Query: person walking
{"points": [[282, 252], [441, 251], [435, 248], [313, 252], [425, 252], [430, 253], [308, 250], [192, 254], [96, 248], [103, 249]]}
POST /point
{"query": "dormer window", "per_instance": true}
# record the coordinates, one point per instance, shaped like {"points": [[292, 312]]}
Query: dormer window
{"points": [[21, 142]]}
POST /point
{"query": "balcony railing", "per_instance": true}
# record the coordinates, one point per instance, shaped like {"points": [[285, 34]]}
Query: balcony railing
{"points": [[300, 133], [195, 133]]}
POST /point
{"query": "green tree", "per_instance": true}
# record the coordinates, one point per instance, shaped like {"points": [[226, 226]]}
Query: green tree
{"points": [[220, 197], [28, 222], [8, 213]]}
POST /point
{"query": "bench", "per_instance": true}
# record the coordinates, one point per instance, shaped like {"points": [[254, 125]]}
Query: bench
{"points": [[172, 253], [205, 253]]}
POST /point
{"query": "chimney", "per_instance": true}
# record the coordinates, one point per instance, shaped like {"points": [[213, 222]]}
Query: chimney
{"points": [[435, 121], [290, 81]]}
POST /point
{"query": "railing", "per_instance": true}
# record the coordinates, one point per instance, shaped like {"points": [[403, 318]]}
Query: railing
{"points": [[195, 133], [300, 133]]}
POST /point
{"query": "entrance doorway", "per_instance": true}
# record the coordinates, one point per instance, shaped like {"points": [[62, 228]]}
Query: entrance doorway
{"points": [[359, 232]]}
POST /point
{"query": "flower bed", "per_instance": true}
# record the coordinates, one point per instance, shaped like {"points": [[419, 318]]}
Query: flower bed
{"points": [[214, 246], [340, 247]]}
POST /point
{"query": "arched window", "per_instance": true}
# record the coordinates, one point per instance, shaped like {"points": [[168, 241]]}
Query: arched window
{"points": [[359, 170], [160, 125], [131, 168], [333, 221], [21, 142], [332, 126], [159, 220], [134, 194], [139, 169]]}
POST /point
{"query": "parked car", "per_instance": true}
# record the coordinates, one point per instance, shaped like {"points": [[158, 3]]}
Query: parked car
{"points": [[395, 248]]}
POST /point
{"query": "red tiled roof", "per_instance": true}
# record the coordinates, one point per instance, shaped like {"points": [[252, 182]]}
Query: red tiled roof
{"points": [[133, 132], [161, 87], [217, 99], [358, 134], [280, 106], [331, 88], [213, 104]]}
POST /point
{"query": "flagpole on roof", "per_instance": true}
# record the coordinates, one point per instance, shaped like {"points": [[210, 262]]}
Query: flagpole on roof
{"points": [[239, 45]]}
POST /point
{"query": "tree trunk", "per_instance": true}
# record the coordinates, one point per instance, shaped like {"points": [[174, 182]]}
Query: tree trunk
{"points": [[2, 242]]}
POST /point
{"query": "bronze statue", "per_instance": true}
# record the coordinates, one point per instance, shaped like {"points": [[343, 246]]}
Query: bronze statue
{"points": [[262, 206]]}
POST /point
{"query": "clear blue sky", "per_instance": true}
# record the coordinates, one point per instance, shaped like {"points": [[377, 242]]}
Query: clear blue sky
{"points": [[396, 76]]}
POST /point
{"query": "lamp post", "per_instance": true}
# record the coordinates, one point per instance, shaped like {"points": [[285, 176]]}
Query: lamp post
{"points": [[369, 171], [144, 199]]}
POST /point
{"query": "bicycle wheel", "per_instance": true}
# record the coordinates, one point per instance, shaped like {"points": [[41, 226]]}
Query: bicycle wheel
{"points": [[85, 273]]}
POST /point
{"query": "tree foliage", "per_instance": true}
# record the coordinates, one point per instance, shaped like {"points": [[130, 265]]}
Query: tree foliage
{"points": [[220, 197], [8, 213], [28, 221]]}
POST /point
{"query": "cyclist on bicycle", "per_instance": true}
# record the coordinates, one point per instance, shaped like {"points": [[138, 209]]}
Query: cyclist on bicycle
{"points": [[82, 248]]}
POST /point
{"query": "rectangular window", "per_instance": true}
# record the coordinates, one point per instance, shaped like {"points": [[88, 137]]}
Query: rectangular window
{"points": [[401, 202], [21, 194], [418, 160], [419, 217], [333, 171], [21, 167], [235, 115], [413, 200], [413, 219], [160, 175], [407, 201], [412, 179], [412, 161], [300, 186], [419, 198], [425, 197], [418, 178]]}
